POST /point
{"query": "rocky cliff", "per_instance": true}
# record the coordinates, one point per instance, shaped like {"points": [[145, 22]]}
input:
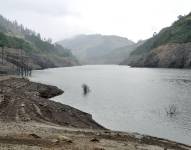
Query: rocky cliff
{"points": [[172, 55], [170, 48]]}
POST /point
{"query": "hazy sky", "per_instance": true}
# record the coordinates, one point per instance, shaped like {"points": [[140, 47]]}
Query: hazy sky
{"points": [[58, 19]]}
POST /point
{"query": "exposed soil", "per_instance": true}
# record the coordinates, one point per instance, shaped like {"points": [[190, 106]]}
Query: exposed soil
{"points": [[36, 136], [22, 100]]}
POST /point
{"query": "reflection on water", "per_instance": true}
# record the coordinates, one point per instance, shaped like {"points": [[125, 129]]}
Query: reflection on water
{"points": [[128, 99]]}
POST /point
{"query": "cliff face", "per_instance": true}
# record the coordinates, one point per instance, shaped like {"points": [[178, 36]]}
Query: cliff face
{"points": [[172, 55], [169, 48], [165, 56]]}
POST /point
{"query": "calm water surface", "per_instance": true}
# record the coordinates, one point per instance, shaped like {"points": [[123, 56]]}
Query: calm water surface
{"points": [[128, 99]]}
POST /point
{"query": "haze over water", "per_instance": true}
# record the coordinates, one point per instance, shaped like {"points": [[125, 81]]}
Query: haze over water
{"points": [[128, 99]]}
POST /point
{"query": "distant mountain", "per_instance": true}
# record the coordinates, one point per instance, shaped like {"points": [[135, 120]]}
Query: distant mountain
{"points": [[96, 48], [118, 55], [171, 47], [40, 52]]}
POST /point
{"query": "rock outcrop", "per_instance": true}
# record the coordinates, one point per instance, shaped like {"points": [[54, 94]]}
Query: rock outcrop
{"points": [[170, 48], [165, 56]]}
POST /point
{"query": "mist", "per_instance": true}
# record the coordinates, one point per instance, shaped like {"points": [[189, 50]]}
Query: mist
{"points": [[60, 19]]}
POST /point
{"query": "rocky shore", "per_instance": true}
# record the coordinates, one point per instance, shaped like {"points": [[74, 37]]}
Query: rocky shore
{"points": [[172, 55], [22, 100], [29, 120]]}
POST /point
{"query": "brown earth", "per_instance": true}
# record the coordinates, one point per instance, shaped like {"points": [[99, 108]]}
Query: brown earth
{"points": [[36, 136], [22, 100]]}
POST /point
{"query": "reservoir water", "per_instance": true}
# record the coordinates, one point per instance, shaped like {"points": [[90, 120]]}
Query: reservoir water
{"points": [[128, 99]]}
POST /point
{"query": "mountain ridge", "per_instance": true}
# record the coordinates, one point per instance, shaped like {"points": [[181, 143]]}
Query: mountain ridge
{"points": [[93, 48]]}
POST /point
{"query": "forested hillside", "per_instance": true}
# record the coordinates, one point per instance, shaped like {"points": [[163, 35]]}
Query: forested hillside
{"points": [[40, 52]]}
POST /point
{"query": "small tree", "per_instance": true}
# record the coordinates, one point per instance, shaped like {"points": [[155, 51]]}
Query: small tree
{"points": [[171, 110], [49, 40], [180, 17], [39, 36], [154, 34]]}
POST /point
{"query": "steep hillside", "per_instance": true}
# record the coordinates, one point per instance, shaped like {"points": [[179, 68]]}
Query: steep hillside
{"points": [[169, 48], [119, 54], [93, 49], [41, 53]]}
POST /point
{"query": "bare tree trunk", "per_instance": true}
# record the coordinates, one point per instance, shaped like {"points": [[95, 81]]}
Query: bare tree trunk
{"points": [[2, 56], [27, 67], [22, 69], [17, 65]]}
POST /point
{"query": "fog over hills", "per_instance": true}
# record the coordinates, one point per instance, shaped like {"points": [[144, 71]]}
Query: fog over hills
{"points": [[98, 49]]}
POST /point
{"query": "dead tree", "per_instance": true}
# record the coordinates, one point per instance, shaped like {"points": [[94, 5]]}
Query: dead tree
{"points": [[17, 64], [2, 54], [22, 63]]}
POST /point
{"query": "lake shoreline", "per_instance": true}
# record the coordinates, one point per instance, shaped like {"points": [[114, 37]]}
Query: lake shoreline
{"points": [[82, 132]]}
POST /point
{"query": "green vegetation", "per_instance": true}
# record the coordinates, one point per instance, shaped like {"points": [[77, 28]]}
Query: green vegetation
{"points": [[179, 32], [14, 42], [44, 47], [22, 49], [33, 45], [13, 35]]}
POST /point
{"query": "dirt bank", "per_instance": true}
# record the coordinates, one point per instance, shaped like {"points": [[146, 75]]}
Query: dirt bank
{"points": [[36, 136], [22, 100]]}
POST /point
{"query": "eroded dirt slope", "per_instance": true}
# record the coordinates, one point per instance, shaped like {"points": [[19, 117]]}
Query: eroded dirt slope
{"points": [[22, 100]]}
